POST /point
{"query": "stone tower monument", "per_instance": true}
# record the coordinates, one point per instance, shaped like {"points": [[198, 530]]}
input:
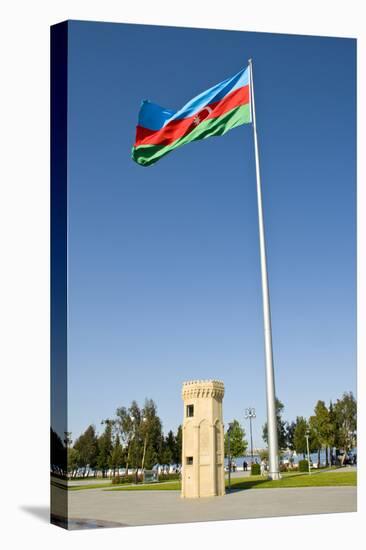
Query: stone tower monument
{"points": [[203, 439]]}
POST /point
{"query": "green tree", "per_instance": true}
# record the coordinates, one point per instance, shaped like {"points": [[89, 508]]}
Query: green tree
{"points": [[238, 443], [135, 448], [105, 447], [116, 456], [87, 447], [125, 429], [166, 456], [72, 460], [299, 435], [171, 443], [178, 446], [300, 445], [281, 427], [168, 448], [141, 432], [290, 432], [315, 443], [152, 435], [345, 417], [333, 425], [323, 428]]}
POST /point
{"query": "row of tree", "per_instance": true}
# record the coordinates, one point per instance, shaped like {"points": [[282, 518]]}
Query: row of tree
{"points": [[330, 426], [132, 439]]}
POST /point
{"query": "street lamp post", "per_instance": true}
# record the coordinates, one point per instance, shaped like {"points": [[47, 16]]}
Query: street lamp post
{"points": [[307, 434], [229, 453], [250, 413]]}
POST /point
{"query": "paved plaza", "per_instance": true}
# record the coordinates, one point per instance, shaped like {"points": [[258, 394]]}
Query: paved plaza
{"points": [[127, 508]]}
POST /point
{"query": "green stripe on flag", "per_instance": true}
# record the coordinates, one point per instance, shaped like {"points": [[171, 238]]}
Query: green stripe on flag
{"points": [[145, 155]]}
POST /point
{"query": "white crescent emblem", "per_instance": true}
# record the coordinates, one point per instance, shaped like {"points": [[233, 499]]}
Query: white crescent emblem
{"points": [[201, 115]]}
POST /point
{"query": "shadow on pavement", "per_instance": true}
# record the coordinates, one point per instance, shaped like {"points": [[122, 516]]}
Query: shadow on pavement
{"points": [[249, 483]]}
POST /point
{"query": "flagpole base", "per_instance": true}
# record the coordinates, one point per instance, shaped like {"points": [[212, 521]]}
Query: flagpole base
{"points": [[274, 476]]}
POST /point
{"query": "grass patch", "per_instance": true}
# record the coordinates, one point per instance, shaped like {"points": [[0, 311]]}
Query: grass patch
{"points": [[317, 479], [320, 478], [91, 486], [163, 486]]}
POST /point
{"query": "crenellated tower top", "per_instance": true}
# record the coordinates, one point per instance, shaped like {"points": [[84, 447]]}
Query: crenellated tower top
{"points": [[203, 388]]}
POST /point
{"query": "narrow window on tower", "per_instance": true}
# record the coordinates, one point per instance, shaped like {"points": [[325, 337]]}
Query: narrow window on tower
{"points": [[190, 410], [189, 460]]}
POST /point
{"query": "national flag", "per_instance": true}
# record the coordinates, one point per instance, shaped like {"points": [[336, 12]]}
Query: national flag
{"points": [[212, 113]]}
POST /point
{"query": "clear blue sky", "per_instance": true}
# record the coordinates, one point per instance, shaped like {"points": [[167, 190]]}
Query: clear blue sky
{"points": [[164, 271]]}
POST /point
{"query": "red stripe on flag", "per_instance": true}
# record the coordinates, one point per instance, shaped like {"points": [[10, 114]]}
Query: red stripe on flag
{"points": [[180, 127]]}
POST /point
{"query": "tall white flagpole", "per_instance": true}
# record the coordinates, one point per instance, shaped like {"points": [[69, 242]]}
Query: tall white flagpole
{"points": [[270, 382]]}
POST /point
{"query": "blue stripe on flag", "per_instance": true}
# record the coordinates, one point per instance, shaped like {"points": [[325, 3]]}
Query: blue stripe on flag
{"points": [[154, 117]]}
